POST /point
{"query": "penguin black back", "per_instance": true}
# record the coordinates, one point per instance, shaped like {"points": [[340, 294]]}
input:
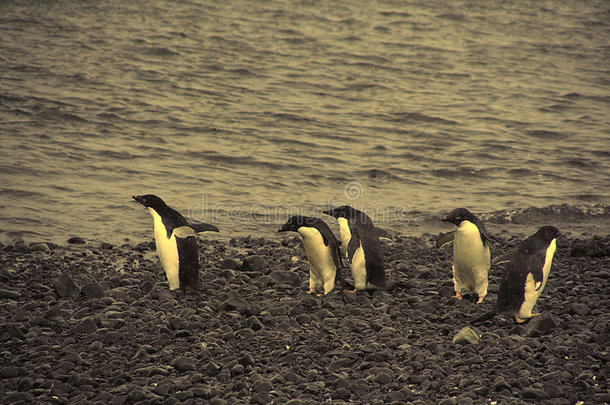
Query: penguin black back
{"points": [[351, 214], [529, 258]]}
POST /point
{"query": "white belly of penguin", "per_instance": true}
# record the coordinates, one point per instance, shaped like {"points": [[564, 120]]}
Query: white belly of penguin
{"points": [[167, 250], [471, 260], [531, 293], [345, 233], [358, 267], [318, 254]]}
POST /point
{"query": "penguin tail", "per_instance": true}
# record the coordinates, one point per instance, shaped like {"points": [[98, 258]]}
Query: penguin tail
{"points": [[485, 317]]}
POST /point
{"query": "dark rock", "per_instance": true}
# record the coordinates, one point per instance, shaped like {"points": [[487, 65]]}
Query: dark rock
{"points": [[40, 247], [213, 368], [239, 304], [261, 398], [246, 360], [262, 386], [229, 263], [92, 290], [448, 401], [184, 364], [86, 327], [254, 263], [12, 371], [18, 397], [9, 294], [466, 336], [579, 309], [541, 325], [76, 240], [337, 365], [500, 384], [65, 287], [236, 370], [534, 393]]}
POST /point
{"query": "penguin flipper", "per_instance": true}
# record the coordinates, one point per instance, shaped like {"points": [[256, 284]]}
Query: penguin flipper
{"points": [[445, 239], [352, 246], [184, 232], [198, 228]]}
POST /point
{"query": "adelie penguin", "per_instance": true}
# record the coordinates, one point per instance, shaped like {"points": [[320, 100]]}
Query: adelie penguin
{"points": [[525, 275], [362, 247], [322, 249], [471, 255], [176, 242]]}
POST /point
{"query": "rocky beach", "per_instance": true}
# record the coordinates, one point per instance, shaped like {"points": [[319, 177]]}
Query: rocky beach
{"points": [[95, 323]]}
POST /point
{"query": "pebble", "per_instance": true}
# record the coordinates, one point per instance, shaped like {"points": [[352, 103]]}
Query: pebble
{"points": [[93, 290], [86, 327], [65, 287], [76, 240], [465, 336], [254, 263], [542, 324]]}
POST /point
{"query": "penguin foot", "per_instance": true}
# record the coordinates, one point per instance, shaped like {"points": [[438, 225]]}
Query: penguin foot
{"points": [[354, 291], [458, 296], [480, 300], [311, 291], [519, 320]]}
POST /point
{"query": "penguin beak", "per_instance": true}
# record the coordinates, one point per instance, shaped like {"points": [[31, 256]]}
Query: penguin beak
{"points": [[137, 198], [284, 228], [445, 219]]}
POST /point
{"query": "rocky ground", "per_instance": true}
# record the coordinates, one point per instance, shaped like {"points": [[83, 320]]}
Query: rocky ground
{"points": [[89, 323]]}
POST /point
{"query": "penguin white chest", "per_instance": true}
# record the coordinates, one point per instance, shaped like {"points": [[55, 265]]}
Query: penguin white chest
{"points": [[471, 259], [318, 253], [346, 234], [167, 250]]}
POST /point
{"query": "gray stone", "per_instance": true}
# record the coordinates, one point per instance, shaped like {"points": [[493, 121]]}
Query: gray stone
{"points": [[337, 365], [76, 240], [184, 364], [579, 309], [11, 372], [65, 287], [254, 263], [229, 263], [541, 325], [93, 290], [466, 336], [9, 294], [40, 247], [86, 327]]}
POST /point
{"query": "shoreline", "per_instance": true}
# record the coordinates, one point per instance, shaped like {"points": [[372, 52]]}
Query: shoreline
{"points": [[97, 323]]}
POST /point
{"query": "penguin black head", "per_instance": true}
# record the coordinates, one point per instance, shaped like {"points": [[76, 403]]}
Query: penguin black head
{"points": [[458, 215], [295, 222], [150, 201], [349, 213], [548, 233]]}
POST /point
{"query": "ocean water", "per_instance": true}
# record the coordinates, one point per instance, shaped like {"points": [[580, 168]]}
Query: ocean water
{"points": [[242, 113]]}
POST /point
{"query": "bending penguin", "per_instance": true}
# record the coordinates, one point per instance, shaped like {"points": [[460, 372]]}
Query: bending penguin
{"points": [[471, 256], [176, 242], [360, 245], [526, 275], [322, 249]]}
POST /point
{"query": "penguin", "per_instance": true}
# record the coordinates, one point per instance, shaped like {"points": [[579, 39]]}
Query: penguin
{"points": [[362, 247], [322, 249], [471, 255], [526, 275], [176, 242]]}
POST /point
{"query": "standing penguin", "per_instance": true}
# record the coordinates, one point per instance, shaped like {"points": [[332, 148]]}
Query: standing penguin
{"points": [[361, 246], [322, 249], [526, 275], [176, 242], [471, 256]]}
